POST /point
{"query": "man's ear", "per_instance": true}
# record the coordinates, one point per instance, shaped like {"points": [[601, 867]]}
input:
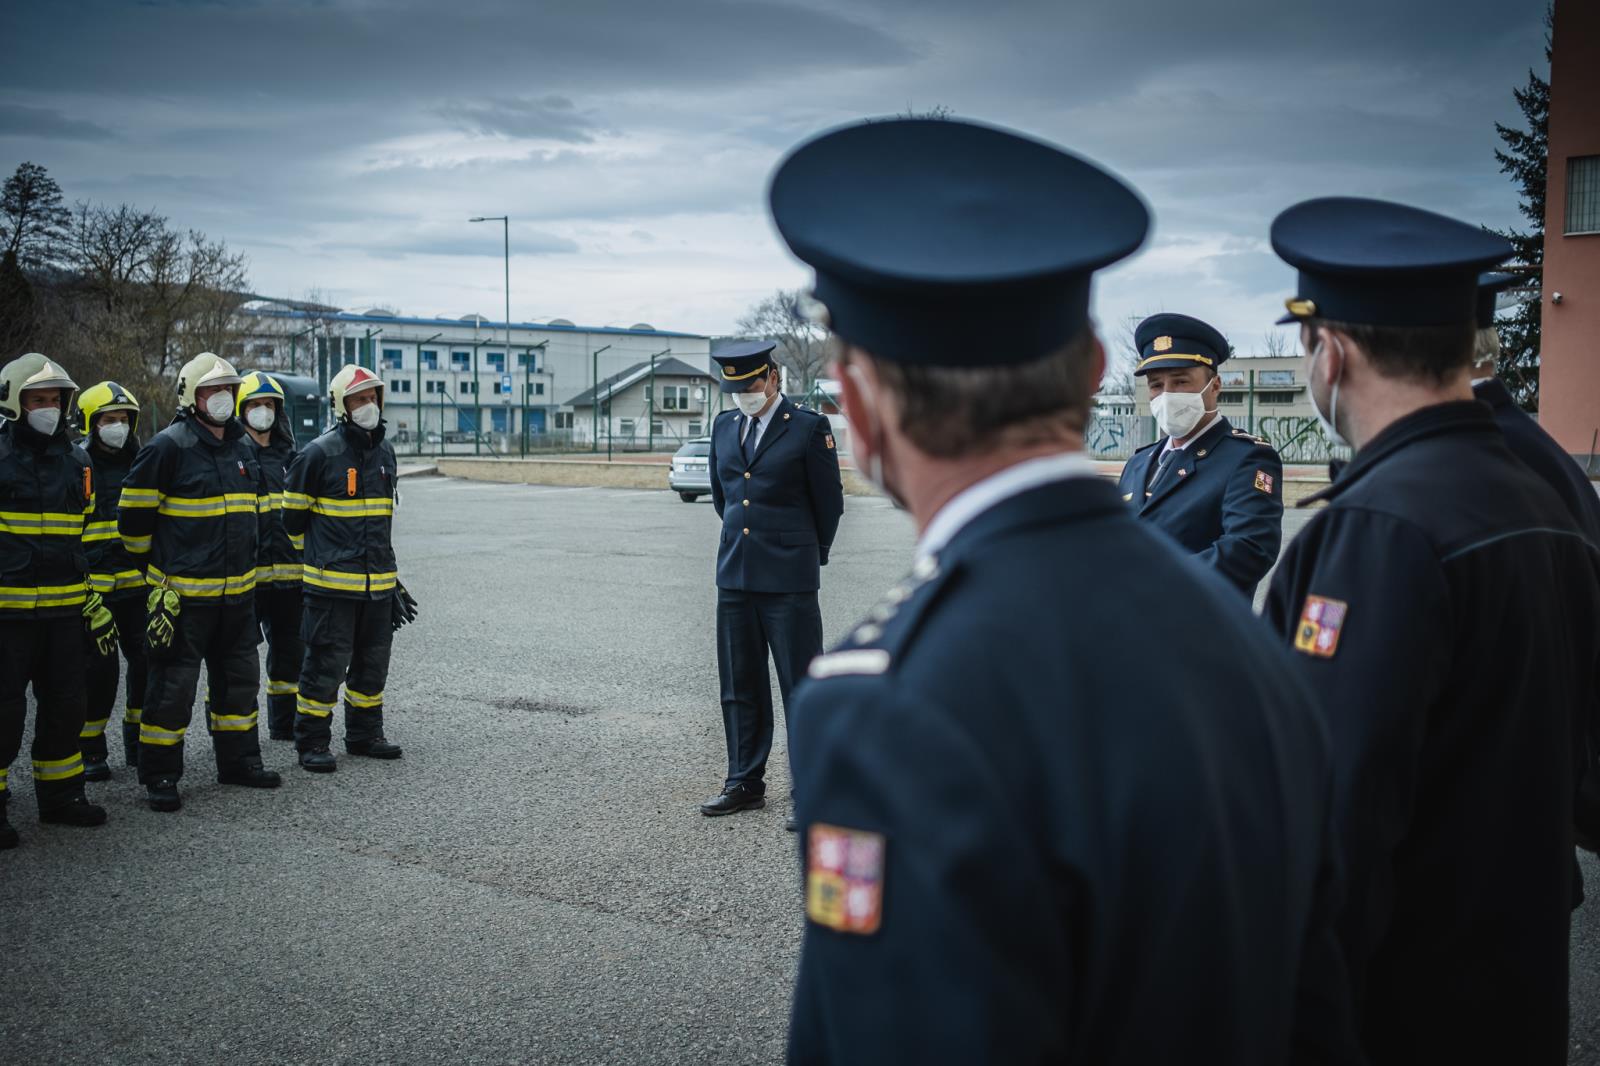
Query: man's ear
{"points": [[1097, 366]]}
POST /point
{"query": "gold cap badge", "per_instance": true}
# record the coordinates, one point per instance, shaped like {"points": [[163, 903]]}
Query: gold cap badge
{"points": [[1162, 344]]}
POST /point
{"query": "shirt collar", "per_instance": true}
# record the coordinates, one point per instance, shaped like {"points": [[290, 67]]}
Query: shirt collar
{"points": [[1199, 431], [1014, 480]]}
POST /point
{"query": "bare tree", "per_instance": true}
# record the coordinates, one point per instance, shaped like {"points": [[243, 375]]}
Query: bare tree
{"points": [[1275, 343], [33, 217], [803, 344]]}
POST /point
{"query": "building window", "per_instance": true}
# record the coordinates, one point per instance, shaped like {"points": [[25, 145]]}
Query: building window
{"points": [[460, 360], [433, 386], [401, 385], [658, 427], [538, 388], [696, 429], [525, 360], [1274, 397], [1229, 397], [563, 419], [469, 388], [391, 358], [495, 388], [1583, 194], [496, 360], [430, 359], [625, 427], [675, 398]]}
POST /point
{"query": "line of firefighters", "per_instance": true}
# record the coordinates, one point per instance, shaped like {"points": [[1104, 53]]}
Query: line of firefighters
{"points": [[188, 551]]}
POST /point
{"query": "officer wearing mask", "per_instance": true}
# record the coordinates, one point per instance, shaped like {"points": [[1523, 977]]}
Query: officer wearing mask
{"points": [[1006, 857], [1216, 490], [278, 604], [775, 483], [191, 510], [108, 417], [1445, 606], [46, 499], [339, 500]]}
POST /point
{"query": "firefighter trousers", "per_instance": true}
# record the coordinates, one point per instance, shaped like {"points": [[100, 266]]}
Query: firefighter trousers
{"points": [[279, 607], [223, 636], [105, 670], [48, 653], [346, 640]]}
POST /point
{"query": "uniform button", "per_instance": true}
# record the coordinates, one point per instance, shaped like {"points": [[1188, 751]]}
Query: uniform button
{"points": [[747, 531], [747, 503], [747, 475]]}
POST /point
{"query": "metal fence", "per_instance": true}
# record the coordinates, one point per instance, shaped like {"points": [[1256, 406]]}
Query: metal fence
{"points": [[1298, 439]]}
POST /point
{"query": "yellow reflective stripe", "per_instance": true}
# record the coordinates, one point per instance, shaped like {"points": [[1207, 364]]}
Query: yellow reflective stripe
{"points": [[137, 545], [100, 530], [23, 598], [315, 708], [93, 729], [204, 586], [278, 572], [364, 507], [132, 497], [296, 501], [298, 541], [361, 699], [131, 715], [122, 579], [162, 738], [41, 523], [282, 688], [208, 506], [340, 581], [272, 501], [233, 723], [5, 771], [58, 769]]}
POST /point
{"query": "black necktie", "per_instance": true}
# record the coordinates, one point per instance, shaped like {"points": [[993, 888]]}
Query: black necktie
{"points": [[1161, 464], [750, 440]]}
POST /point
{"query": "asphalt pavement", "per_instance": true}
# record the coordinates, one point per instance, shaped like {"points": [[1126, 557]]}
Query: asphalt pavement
{"points": [[531, 883]]}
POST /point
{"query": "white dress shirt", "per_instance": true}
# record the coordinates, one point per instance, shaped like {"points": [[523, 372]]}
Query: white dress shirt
{"points": [[761, 426], [977, 498], [1194, 435]]}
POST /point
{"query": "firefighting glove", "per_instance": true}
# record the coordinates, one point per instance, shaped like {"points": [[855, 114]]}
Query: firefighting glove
{"points": [[101, 626], [162, 607], [403, 607]]}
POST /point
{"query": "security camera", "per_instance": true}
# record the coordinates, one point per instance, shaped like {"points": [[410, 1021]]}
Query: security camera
{"points": [[1555, 297]]}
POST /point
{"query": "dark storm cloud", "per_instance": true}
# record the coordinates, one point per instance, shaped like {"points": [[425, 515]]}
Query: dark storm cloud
{"points": [[48, 124]]}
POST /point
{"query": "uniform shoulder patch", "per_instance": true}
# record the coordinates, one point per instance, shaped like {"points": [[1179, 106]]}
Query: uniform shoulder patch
{"points": [[1321, 622], [1252, 438], [861, 661], [844, 878], [1264, 482]]}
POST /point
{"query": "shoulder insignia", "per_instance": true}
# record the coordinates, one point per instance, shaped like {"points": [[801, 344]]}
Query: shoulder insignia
{"points": [[829, 439], [844, 878], [861, 661], [1321, 622], [1264, 482], [1251, 437]]}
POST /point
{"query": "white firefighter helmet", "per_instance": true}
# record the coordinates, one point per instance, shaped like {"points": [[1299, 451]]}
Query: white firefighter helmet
{"points": [[203, 370], [33, 371], [352, 379]]}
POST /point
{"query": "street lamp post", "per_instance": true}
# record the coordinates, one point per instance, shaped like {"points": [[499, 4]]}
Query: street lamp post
{"points": [[650, 407], [594, 383], [527, 388], [505, 221], [477, 402], [422, 436], [371, 350]]}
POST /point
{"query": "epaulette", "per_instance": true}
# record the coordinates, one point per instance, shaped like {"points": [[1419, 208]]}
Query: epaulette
{"points": [[1252, 438]]}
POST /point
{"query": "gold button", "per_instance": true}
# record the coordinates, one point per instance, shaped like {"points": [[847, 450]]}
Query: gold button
{"points": [[747, 503], [747, 475], [1202, 453], [747, 531]]}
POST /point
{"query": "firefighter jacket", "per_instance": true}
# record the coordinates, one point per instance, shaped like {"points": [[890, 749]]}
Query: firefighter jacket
{"points": [[340, 497], [280, 559], [46, 498], [191, 509], [113, 572]]}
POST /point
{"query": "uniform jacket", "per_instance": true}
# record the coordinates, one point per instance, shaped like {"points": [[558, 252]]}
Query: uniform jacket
{"points": [[113, 572], [339, 498], [1221, 499], [780, 512], [1446, 610], [46, 499], [1070, 870], [280, 559], [190, 508], [1530, 443]]}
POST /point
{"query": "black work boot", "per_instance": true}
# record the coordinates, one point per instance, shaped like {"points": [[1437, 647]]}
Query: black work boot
{"points": [[95, 768], [130, 744], [249, 773], [75, 811], [743, 796], [163, 795], [378, 747], [318, 760], [8, 832]]}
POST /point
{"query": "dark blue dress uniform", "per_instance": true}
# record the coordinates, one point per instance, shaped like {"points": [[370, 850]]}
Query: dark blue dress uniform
{"points": [[1446, 609], [780, 502], [1011, 852]]}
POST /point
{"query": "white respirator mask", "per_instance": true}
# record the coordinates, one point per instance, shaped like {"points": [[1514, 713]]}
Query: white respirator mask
{"points": [[114, 434], [219, 407], [750, 402], [1177, 413], [260, 419], [367, 416], [44, 420]]}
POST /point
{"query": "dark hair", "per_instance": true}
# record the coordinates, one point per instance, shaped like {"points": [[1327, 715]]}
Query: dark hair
{"points": [[955, 411], [1423, 353]]}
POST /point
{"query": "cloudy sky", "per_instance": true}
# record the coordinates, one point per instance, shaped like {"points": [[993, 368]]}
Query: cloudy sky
{"points": [[342, 144]]}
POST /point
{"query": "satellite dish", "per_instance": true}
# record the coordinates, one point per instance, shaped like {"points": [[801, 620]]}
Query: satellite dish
{"points": [[560, 322], [378, 312], [647, 327]]}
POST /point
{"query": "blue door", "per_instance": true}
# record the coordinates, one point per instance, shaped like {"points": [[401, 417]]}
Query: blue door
{"points": [[535, 421], [498, 420], [466, 420]]}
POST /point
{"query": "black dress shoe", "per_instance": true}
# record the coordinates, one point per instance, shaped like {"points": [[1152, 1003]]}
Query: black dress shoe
{"points": [[735, 798], [250, 774], [95, 769], [376, 748], [163, 795], [76, 811], [318, 761]]}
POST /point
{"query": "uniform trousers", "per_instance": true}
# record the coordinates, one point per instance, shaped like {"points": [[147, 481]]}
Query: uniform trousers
{"points": [[104, 672], [347, 640], [751, 625], [49, 654], [223, 636], [279, 609]]}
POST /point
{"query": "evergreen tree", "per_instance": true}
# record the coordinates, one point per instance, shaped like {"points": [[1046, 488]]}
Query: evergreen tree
{"points": [[33, 217], [1524, 158]]}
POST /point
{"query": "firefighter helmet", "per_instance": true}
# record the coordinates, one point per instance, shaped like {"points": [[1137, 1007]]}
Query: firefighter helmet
{"points": [[352, 378], [204, 370], [258, 386], [32, 371], [106, 396]]}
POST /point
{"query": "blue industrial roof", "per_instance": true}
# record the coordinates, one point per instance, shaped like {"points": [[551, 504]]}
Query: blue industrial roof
{"points": [[485, 324]]}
